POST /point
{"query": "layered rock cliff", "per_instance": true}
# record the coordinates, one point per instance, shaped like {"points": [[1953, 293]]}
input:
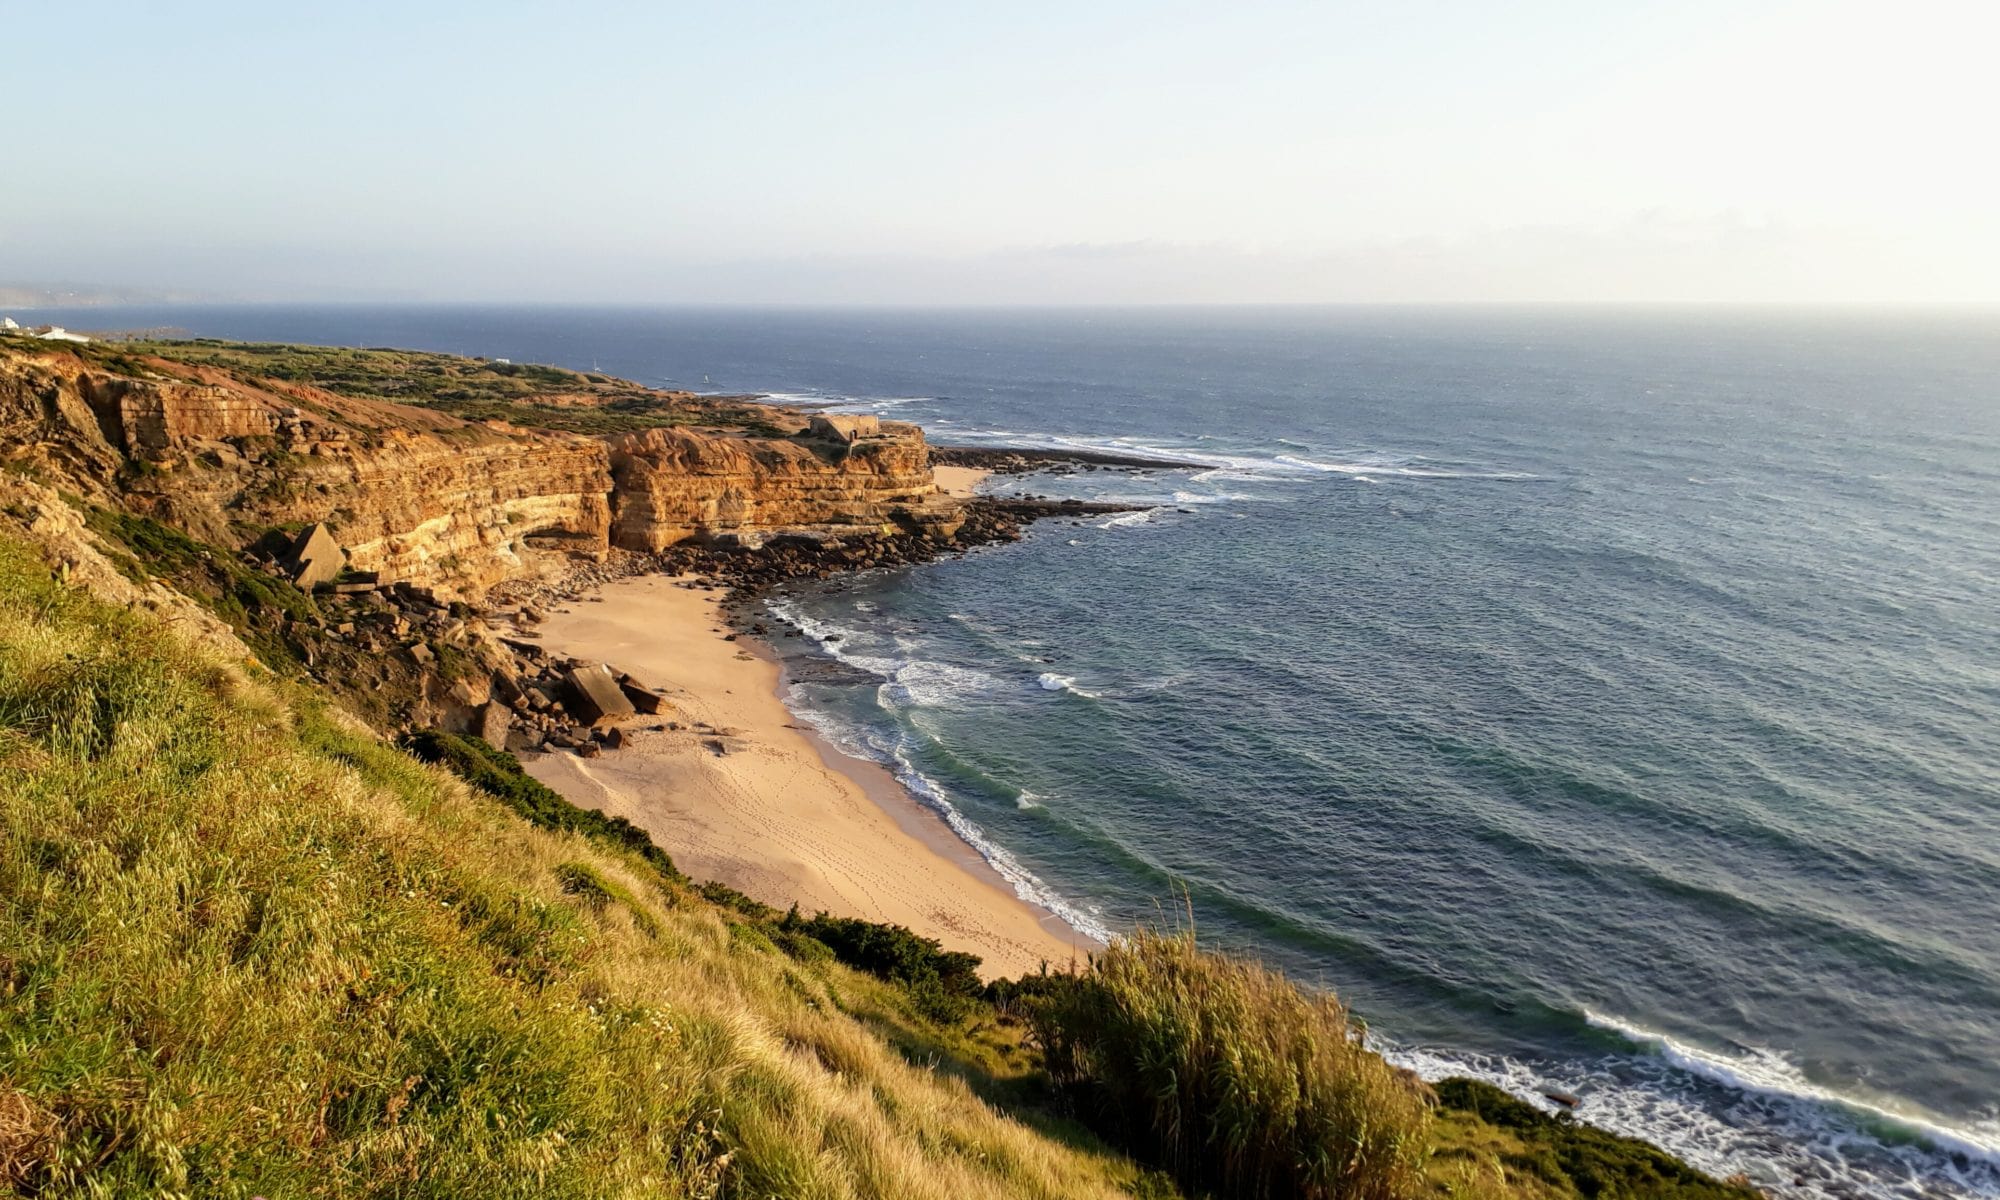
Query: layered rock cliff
{"points": [[414, 494], [672, 485]]}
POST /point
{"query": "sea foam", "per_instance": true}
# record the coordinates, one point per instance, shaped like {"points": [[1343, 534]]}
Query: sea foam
{"points": [[919, 682], [1052, 682], [1767, 1072], [1787, 1142]]}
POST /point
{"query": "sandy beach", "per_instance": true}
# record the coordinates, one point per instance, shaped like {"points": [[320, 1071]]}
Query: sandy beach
{"points": [[744, 794], [959, 481]]}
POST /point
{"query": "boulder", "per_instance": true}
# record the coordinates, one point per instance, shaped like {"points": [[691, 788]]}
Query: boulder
{"points": [[315, 558], [507, 688], [643, 698], [495, 722], [595, 695]]}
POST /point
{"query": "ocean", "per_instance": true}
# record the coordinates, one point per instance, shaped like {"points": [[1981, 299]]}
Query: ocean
{"points": [[1604, 701]]}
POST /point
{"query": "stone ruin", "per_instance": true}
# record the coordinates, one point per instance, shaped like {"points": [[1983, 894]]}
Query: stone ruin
{"points": [[846, 429]]}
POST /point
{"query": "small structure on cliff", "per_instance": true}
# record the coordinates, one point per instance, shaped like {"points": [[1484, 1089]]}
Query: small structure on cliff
{"points": [[314, 559], [844, 428]]}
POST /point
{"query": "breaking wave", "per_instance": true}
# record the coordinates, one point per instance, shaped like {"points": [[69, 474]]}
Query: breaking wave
{"points": [[1753, 1114], [908, 683], [1052, 682]]}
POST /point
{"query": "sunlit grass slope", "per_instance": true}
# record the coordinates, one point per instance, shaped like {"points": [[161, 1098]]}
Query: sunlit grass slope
{"points": [[248, 949]]}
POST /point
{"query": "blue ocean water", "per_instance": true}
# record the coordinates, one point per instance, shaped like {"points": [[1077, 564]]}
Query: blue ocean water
{"points": [[1607, 701]]}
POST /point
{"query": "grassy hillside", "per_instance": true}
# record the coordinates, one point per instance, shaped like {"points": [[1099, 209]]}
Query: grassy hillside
{"points": [[246, 948]]}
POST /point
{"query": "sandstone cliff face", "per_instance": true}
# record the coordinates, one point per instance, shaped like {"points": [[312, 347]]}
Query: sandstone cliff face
{"points": [[421, 496], [431, 500], [672, 485], [452, 512]]}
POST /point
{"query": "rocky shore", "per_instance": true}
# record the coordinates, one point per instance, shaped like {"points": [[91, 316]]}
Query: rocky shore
{"points": [[1012, 460], [546, 696]]}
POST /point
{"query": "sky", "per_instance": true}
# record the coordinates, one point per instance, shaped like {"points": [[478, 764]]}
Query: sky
{"points": [[1018, 153]]}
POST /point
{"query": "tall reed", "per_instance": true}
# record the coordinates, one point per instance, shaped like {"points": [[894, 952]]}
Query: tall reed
{"points": [[1230, 1076]]}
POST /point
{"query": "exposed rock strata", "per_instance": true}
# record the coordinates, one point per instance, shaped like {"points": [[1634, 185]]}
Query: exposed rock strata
{"points": [[673, 485], [419, 496]]}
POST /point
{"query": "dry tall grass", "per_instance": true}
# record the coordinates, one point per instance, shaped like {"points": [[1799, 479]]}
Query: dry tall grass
{"points": [[1231, 1076]]}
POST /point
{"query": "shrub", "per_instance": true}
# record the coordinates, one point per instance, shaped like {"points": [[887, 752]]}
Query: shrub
{"points": [[943, 983], [1229, 1076]]}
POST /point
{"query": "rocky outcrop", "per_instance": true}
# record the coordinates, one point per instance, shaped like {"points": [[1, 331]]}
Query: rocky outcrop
{"points": [[418, 496], [458, 512], [408, 494], [673, 485]]}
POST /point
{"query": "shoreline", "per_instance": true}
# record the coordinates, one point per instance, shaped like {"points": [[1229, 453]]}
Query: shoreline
{"points": [[746, 793]]}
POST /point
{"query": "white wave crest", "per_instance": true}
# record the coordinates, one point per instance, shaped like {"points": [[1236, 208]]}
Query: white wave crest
{"points": [[924, 684], [1384, 466], [1787, 1145], [1185, 497], [1768, 1072], [837, 402], [1144, 516], [1052, 682], [1252, 464]]}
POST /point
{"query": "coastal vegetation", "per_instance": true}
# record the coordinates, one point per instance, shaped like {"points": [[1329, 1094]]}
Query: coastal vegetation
{"points": [[1231, 1076], [251, 948], [529, 395], [292, 633]]}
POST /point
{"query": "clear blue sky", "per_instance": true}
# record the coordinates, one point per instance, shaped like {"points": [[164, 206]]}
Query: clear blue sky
{"points": [[1007, 153]]}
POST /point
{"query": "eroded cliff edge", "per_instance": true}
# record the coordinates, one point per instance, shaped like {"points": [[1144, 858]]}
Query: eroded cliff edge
{"points": [[423, 495]]}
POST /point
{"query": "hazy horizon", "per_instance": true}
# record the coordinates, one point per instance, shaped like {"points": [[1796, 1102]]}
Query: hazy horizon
{"points": [[1125, 155]]}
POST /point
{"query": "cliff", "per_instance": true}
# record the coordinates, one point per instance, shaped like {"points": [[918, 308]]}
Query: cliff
{"points": [[672, 485], [421, 495]]}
